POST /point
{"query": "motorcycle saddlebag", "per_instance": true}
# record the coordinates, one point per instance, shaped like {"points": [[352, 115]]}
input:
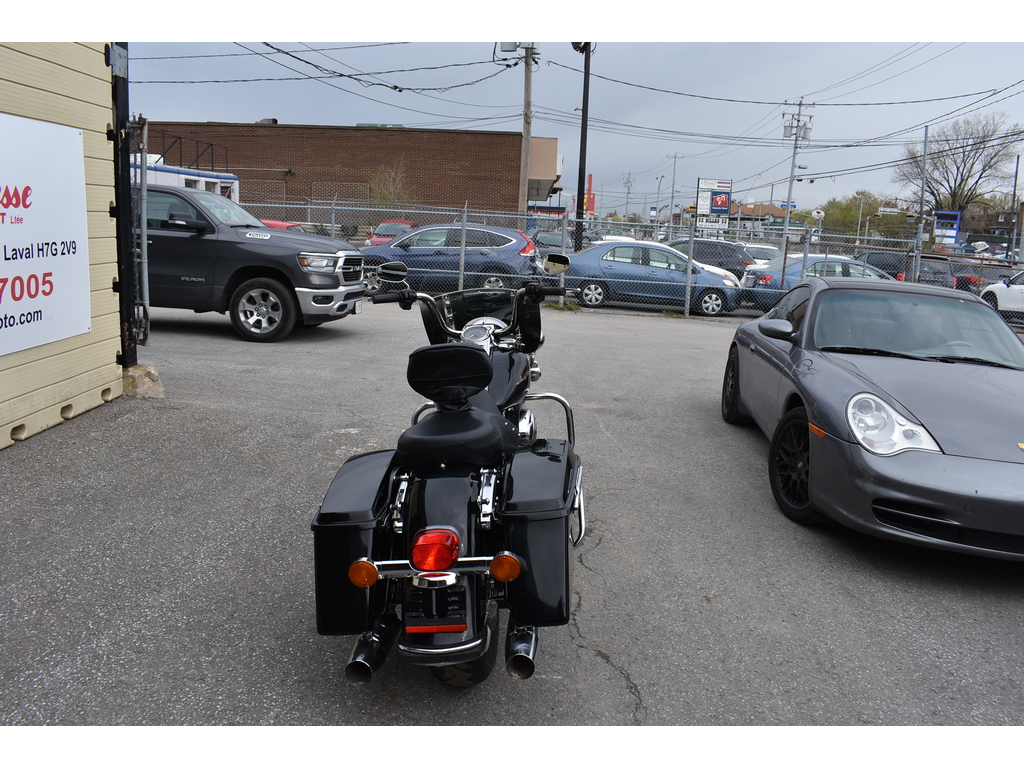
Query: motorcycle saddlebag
{"points": [[343, 532], [541, 484]]}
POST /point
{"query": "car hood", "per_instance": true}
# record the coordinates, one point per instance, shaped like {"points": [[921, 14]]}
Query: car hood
{"points": [[301, 241], [970, 410]]}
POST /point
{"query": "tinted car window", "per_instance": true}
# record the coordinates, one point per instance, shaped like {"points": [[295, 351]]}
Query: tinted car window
{"points": [[160, 206], [480, 238], [426, 238], [792, 307]]}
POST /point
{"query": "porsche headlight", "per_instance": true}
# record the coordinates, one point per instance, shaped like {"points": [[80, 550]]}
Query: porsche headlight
{"points": [[880, 429]]}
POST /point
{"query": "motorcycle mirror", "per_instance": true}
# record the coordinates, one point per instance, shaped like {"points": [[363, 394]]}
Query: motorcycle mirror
{"points": [[556, 263], [393, 272]]}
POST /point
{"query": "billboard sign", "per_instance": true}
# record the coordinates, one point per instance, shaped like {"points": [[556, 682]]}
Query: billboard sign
{"points": [[44, 234], [714, 197]]}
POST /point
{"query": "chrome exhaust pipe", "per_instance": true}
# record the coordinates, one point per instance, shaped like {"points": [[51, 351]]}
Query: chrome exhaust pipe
{"points": [[369, 653], [520, 650]]}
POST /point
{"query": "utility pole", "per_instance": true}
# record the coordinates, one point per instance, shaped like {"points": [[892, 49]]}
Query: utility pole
{"points": [[672, 196], [524, 162], [798, 130], [581, 200]]}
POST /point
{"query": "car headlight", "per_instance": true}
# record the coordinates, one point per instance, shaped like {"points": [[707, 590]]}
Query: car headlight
{"points": [[317, 262], [880, 429]]}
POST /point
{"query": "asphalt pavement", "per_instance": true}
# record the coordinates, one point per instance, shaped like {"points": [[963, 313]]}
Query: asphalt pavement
{"points": [[157, 557]]}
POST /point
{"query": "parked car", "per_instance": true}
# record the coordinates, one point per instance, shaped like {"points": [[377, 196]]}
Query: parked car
{"points": [[389, 229], [764, 284], [494, 258], [649, 273], [974, 275], [1007, 296], [552, 241], [935, 270], [275, 224], [735, 257], [207, 254], [891, 408]]}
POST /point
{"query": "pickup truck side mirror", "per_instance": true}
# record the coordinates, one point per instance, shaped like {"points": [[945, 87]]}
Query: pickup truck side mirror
{"points": [[177, 221]]}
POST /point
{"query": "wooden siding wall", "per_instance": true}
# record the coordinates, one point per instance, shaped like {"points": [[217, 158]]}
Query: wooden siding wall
{"points": [[67, 84]]}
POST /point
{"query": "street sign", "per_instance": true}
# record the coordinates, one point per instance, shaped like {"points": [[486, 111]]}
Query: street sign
{"points": [[889, 210]]}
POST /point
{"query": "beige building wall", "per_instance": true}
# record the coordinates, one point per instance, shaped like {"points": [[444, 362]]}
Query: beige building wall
{"points": [[67, 84]]}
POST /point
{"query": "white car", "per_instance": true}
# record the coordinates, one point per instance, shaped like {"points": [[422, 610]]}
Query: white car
{"points": [[1007, 297]]}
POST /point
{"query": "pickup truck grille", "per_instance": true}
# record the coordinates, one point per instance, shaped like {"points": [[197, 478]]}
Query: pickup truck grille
{"points": [[350, 268]]}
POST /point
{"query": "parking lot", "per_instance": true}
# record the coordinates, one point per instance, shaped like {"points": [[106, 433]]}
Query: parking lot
{"points": [[157, 557]]}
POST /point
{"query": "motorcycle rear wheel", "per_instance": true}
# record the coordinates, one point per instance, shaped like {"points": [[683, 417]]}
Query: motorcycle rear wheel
{"points": [[470, 673]]}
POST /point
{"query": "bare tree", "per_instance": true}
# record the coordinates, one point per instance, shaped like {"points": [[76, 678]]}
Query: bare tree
{"points": [[967, 160], [389, 185]]}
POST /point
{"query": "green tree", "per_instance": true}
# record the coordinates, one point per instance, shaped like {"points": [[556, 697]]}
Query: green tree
{"points": [[857, 214]]}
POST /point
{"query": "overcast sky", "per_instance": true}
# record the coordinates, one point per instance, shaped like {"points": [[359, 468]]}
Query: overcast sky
{"points": [[692, 110]]}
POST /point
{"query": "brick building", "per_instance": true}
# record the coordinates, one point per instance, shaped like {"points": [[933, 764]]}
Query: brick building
{"points": [[287, 163]]}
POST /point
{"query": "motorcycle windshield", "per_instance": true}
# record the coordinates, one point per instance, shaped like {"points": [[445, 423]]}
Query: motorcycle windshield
{"points": [[462, 307]]}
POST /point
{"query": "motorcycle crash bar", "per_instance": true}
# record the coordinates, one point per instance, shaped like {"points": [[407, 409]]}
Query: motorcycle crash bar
{"points": [[503, 567]]}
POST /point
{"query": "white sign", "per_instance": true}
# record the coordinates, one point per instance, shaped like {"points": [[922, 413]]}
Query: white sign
{"points": [[44, 234], [709, 222]]}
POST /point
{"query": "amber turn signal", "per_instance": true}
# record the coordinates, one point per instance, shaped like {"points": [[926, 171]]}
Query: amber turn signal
{"points": [[506, 567], [363, 573]]}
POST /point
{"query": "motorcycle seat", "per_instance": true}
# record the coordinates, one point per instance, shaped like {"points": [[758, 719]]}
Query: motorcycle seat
{"points": [[477, 436], [467, 427]]}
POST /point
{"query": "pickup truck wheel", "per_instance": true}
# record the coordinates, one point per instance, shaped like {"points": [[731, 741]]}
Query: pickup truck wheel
{"points": [[263, 310]]}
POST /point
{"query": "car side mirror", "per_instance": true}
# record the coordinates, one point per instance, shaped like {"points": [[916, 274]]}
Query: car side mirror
{"points": [[176, 220], [393, 272], [777, 329], [556, 264]]}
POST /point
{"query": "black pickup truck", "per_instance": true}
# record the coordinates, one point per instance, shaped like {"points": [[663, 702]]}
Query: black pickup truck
{"points": [[208, 254]]}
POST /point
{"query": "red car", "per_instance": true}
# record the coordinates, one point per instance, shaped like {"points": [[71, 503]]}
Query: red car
{"points": [[388, 230], [274, 224]]}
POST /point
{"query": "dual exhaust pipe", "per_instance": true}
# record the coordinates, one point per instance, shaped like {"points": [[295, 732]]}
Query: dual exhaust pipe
{"points": [[372, 649]]}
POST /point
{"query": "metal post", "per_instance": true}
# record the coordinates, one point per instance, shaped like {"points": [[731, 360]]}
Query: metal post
{"points": [[920, 211], [585, 49]]}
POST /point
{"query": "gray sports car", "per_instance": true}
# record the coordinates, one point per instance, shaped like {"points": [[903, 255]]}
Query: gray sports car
{"points": [[893, 408]]}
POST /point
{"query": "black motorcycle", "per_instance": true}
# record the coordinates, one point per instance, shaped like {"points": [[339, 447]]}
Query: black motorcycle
{"points": [[470, 514]]}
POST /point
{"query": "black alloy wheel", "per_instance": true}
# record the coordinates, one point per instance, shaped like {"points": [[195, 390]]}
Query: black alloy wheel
{"points": [[789, 468]]}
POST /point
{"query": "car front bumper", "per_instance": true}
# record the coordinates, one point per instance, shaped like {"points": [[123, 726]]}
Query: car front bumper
{"points": [[318, 305], [945, 502]]}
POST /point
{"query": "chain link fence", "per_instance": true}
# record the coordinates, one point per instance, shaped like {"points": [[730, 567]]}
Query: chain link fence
{"points": [[742, 271]]}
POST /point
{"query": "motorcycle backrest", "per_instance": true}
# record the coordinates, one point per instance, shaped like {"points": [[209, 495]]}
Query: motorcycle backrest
{"points": [[449, 374]]}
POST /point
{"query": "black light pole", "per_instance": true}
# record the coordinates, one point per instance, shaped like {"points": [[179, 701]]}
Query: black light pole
{"points": [[581, 187]]}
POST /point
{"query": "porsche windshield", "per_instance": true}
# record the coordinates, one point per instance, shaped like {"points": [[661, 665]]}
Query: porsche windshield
{"points": [[918, 325]]}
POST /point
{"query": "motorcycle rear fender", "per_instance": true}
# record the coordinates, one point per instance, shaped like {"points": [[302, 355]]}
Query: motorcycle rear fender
{"points": [[445, 498], [344, 530]]}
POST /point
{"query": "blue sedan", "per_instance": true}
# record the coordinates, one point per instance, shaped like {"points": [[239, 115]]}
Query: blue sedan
{"points": [[648, 273], [764, 285]]}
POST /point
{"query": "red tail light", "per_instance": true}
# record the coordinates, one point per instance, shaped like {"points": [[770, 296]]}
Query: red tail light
{"points": [[435, 549], [764, 280], [529, 244], [899, 276]]}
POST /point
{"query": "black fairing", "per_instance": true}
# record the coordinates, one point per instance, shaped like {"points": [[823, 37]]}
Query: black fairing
{"points": [[511, 377]]}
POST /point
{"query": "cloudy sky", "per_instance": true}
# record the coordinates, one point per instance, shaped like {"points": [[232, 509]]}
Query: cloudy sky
{"points": [[657, 110]]}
